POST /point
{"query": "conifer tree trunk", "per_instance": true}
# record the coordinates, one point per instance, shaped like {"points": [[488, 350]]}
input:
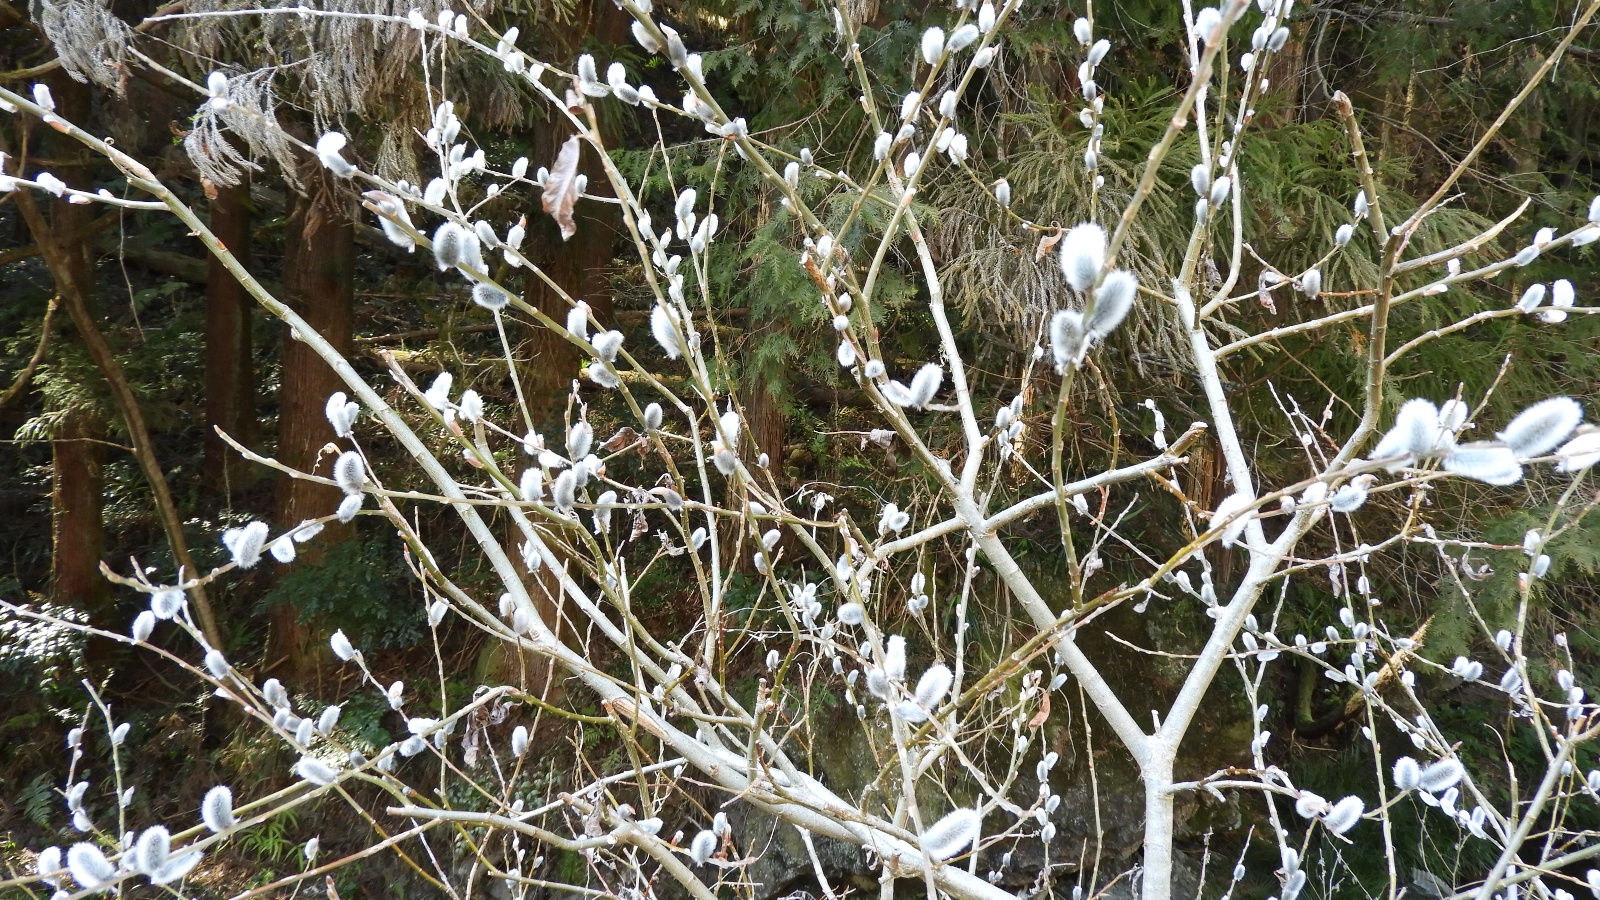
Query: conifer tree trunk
{"points": [[63, 240], [77, 480], [547, 364], [761, 392], [77, 528], [319, 265], [578, 265], [230, 369]]}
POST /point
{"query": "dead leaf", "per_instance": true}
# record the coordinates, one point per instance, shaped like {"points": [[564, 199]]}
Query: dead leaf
{"points": [[561, 187], [1047, 245], [624, 438], [1043, 713]]}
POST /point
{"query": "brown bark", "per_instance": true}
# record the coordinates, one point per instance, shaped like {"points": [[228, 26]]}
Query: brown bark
{"points": [[230, 369], [77, 489], [61, 241], [578, 265], [508, 663], [319, 265], [768, 425], [77, 532]]}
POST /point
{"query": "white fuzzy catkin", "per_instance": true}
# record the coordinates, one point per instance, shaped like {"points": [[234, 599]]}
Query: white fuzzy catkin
{"points": [[143, 624], [564, 491], [519, 740], [1580, 453], [89, 867], [438, 393], [1542, 427], [1234, 507], [216, 664], [910, 712], [579, 440], [881, 145], [177, 868], [1311, 283], [952, 835], [490, 297], [315, 771], [1083, 254], [933, 685], [1407, 774], [1066, 337], [701, 848], [1440, 776], [166, 603], [607, 344], [1416, 431], [1344, 815], [1220, 189], [1348, 498], [151, 850], [1488, 463], [1531, 298], [852, 614], [925, 384], [341, 414], [349, 508], [449, 244], [652, 417], [909, 104], [894, 658], [216, 810], [603, 375], [246, 543], [578, 320], [342, 647], [328, 153], [531, 485], [963, 37], [667, 330], [1112, 302], [932, 45], [349, 472], [471, 406], [892, 519]]}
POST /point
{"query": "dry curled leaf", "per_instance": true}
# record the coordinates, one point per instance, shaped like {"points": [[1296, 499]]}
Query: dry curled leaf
{"points": [[561, 187], [624, 438], [1047, 244], [1043, 714]]}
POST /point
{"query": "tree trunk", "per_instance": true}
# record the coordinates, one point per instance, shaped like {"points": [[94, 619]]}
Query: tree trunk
{"points": [[63, 242], [764, 411], [319, 263], [230, 369], [77, 482], [506, 662], [577, 265], [77, 531]]}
